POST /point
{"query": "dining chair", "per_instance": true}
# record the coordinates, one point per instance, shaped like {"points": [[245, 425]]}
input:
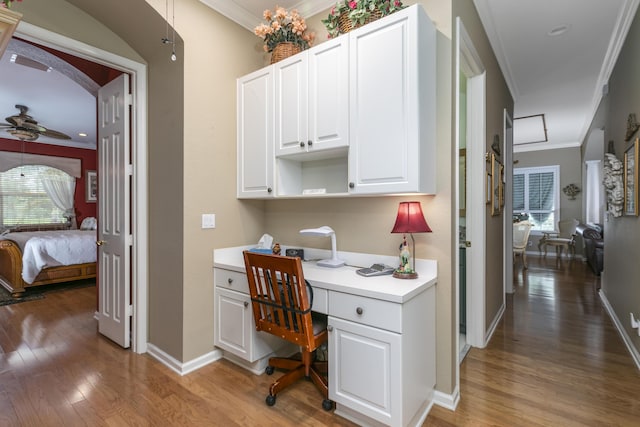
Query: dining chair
{"points": [[282, 300], [521, 231]]}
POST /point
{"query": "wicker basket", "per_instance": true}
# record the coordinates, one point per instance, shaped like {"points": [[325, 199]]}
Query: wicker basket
{"points": [[345, 25], [284, 50]]}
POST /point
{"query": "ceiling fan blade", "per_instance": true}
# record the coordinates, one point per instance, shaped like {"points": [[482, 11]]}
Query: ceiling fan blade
{"points": [[32, 126], [6, 125], [55, 134], [12, 120]]}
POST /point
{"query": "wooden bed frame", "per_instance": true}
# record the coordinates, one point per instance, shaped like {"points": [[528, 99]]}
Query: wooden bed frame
{"points": [[11, 271]]}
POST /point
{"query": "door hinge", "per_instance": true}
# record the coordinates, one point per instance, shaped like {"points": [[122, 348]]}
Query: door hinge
{"points": [[129, 170], [129, 99], [130, 240], [130, 310]]}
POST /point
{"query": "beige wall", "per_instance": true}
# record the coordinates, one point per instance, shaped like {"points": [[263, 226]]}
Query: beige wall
{"points": [[621, 235], [570, 162]]}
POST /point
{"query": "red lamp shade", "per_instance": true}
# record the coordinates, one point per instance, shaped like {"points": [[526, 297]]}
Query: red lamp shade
{"points": [[410, 219]]}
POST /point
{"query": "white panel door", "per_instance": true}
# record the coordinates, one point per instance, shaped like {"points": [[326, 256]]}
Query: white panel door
{"points": [[114, 234]]}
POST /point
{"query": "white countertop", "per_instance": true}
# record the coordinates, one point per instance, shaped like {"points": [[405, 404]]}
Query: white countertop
{"points": [[345, 279]]}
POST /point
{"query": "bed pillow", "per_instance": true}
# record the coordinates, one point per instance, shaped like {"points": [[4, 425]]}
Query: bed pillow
{"points": [[89, 223]]}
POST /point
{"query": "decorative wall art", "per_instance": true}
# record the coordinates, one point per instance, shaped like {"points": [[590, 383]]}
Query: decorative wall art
{"points": [[613, 184], [631, 179], [496, 181]]}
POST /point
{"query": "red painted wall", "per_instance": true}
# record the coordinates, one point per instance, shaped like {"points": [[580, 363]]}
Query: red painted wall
{"points": [[88, 158]]}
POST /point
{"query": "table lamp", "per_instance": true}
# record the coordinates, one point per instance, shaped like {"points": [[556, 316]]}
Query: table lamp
{"points": [[325, 231], [410, 219]]}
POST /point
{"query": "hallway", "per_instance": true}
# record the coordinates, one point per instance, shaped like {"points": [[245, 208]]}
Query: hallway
{"points": [[555, 359]]}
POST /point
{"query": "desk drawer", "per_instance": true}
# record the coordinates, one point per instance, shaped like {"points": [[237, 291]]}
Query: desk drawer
{"points": [[367, 311], [231, 280]]}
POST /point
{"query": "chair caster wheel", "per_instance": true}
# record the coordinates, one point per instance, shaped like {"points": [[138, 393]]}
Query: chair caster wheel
{"points": [[270, 400], [269, 370], [327, 404]]}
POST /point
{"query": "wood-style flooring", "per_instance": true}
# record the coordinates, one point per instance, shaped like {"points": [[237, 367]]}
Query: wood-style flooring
{"points": [[555, 360]]}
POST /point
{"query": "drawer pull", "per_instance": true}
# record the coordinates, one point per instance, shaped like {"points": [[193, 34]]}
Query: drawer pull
{"points": [[330, 328], [229, 280], [359, 310], [246, 304]]}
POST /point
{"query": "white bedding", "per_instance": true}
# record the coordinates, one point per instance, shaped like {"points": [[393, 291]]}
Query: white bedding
{"points": [[41, 249]]}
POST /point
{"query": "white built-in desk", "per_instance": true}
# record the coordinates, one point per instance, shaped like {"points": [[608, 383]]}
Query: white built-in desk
{"points": [[381, 333]]}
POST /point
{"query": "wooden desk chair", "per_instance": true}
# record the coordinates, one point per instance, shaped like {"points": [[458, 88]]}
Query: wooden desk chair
{"points": [[521, 231], [564, 238], [281, 300]]}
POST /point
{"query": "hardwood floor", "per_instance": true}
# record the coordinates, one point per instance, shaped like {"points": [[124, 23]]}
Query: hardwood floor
{"points": [[555, 360]]}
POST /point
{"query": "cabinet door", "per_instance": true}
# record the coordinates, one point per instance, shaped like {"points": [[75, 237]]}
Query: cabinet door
{"points": [[291, 104], [329, 94], [384, 109], [255, 134], [365, 370], [234, 323]]}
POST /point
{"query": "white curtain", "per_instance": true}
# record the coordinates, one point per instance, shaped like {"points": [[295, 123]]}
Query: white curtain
{"points": [[61, 190], [594, 192]]}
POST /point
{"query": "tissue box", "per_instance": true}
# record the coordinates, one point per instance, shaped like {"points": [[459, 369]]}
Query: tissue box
{"points": [[261, 251]]}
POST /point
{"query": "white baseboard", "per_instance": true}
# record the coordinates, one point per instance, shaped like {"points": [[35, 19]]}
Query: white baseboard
{"points": [[179, 367], [621, 330], [494, 325], [447, 401]]}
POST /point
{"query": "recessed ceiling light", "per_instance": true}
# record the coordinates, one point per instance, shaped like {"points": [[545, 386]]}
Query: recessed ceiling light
{"points": [[558, 30], [82, 134]]}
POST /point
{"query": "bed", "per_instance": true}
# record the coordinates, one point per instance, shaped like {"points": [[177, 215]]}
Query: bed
{"points": [[37, 258]]}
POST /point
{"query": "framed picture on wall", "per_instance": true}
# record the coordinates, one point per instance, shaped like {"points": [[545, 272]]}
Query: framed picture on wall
{"points": [[496, 181], [91, 190], [631, 179]]}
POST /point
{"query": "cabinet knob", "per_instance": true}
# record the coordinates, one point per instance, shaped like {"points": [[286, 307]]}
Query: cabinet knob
{"points": [[359, 310], [246, 304], [229, 280], [302, 144], [309, 143], [269, 190], [352, 185], [330, 328]]}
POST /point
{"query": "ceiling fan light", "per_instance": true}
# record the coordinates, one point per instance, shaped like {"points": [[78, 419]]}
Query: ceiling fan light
{"points": [[24, 134]]}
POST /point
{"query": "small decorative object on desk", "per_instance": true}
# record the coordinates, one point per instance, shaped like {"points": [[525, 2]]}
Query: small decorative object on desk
{"points": [[284, 33], [349, 14], [276, 249], [404, 270]]}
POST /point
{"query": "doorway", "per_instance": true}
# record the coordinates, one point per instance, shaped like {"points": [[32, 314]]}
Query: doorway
{"points": [[470, 135], [138, 132]]}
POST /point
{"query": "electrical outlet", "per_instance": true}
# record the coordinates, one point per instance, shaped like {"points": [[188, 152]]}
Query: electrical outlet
{"points": [[208, 220]]}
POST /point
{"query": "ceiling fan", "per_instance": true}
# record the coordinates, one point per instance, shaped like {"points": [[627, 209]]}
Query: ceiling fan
{"points": [[25, 128]]}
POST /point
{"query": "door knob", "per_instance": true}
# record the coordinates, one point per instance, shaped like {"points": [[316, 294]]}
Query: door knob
{"points": [[100, 242]]}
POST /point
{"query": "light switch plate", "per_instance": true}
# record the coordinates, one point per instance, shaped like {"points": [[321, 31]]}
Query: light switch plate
{"points": [[208, 220]]}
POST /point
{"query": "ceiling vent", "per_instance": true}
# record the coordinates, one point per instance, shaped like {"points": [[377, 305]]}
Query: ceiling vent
{"points": [[26, 62]]}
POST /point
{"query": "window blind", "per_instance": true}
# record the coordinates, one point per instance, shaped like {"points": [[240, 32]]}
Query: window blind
{"points": [[23, 200], [535, 193]]}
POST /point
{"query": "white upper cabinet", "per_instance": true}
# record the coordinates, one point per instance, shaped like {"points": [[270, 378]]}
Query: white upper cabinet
{"points": [[392, 105], [355, 115], [255, 134], [312, 99]]}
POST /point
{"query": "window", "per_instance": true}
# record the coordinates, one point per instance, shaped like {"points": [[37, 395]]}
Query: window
{"points": [[23, 199], [535, 193]]}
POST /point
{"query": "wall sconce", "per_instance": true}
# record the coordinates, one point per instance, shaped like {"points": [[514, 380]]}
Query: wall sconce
{"points": [[409, 219], [571, 191]]}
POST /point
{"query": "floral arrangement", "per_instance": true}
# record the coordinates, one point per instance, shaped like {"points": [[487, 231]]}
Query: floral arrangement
{"points": [[283, 26], [7, 3], [358, 11]]}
